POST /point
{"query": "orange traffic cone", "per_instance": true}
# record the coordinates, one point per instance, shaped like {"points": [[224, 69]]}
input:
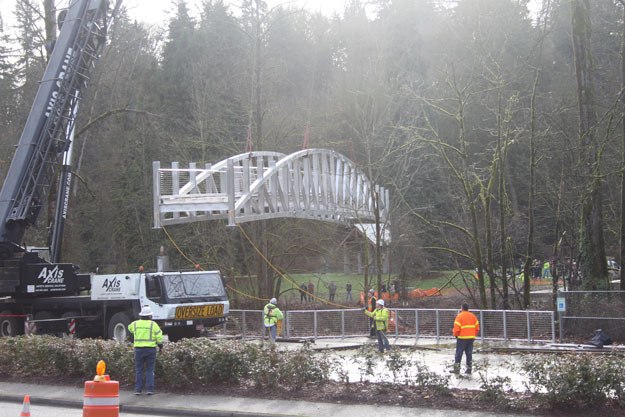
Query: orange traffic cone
{"points": [[26, 407]]}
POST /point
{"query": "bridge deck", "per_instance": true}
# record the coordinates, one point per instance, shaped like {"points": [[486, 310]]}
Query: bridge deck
{"points": [[315, 183]]}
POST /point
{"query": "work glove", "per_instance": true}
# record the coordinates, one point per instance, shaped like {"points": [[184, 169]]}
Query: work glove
{"points": [[160, 347]]}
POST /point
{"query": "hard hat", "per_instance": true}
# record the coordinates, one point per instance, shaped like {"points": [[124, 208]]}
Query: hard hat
{"points": [[146, 311], [381, 302], [273, 301], [371, 291]]}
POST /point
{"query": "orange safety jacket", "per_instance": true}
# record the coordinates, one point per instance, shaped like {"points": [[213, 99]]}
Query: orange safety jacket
{"points": [[372, 303], [466, 325]]}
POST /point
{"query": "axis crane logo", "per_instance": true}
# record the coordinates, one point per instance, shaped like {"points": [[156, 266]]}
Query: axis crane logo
{"points": [[112, 285], [51, 275], [61, 76]]}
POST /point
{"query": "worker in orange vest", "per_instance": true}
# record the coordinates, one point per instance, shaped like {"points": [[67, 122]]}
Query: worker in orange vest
{"points": [[466, 329], [372, 305]]}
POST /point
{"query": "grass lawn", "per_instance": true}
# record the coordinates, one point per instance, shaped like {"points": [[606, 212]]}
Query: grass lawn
{"points": [[434, 279], [289, 290]]}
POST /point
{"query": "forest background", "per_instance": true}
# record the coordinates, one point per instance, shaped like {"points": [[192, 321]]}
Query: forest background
{"points": [[498, 132]]}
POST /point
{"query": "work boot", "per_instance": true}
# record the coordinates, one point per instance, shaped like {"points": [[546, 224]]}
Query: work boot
{"points": [[455, 369], [468, 371]]}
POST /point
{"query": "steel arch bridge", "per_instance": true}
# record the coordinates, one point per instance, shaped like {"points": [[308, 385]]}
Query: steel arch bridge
{"points": [[317, 184]]}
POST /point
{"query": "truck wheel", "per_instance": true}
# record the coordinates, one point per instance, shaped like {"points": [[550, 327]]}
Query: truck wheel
{"points": [[45, 327], [118, 326], [11, 326]]}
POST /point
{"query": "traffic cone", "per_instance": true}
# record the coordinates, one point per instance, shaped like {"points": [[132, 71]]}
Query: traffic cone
{"points": [[26, 407]]}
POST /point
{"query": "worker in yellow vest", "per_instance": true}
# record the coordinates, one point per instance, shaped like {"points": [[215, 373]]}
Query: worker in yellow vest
{"points": [[147, 336], [271, 316], [380, 317]]}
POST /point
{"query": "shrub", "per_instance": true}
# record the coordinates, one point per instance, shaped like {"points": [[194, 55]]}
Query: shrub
{"points": [[398, 365], [493, 388], [366, 361], [48, 356], [576, 380], [425, 379], [195, 363]]}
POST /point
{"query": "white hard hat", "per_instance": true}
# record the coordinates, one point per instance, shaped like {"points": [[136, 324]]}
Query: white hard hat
{"points": [[273, 301], [381, 302], [146, 311]]}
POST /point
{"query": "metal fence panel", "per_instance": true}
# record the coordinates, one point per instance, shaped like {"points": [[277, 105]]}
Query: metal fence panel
{"points": [[247, 323], [412, 323], [587, 311]]}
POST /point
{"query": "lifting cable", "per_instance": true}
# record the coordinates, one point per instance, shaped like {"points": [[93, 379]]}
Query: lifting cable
{"points": [[199, 267], [267, 261], [287, 278]]}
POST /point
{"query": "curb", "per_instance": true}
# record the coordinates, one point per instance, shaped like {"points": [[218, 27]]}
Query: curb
{"points": [[187, 412], [11, 398], [139, 409]]}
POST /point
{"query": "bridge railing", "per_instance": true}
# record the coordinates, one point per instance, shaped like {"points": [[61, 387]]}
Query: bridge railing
{"points": [[315, 183]]}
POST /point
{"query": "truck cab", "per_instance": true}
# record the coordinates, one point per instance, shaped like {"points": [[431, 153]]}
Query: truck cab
{"points": [[184, 303]]}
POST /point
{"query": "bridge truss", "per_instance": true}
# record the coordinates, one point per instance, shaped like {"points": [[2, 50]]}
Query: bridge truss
{"points": [[317, 184]]}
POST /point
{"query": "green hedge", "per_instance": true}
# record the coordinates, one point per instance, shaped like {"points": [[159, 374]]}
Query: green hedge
{"points": [[556, 381], [577, 380], [193, 363]]}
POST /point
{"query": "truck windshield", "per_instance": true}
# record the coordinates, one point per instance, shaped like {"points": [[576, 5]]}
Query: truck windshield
{"points": [[193, 285]]}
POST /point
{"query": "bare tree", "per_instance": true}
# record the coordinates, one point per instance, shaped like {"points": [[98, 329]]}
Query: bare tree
{"points": [[592, 245]]}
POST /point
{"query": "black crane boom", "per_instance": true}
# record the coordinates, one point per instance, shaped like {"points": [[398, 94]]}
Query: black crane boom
{"points": [[46, 137]]}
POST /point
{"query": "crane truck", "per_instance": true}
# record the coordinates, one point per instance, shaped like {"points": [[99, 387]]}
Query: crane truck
{"points": [[53, 295]]}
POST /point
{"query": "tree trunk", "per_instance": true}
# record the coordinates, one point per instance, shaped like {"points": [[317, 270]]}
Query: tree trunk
{"points": [[501, 191], [50, 22], [622, 238], [592, 246]]}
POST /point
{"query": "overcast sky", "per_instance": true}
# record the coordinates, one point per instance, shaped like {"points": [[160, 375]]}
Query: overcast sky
{"points": [[156, 11], [150, 8]]}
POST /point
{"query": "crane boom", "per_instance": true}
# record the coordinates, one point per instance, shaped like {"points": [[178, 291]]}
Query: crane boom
{"points": [[46, 137]]}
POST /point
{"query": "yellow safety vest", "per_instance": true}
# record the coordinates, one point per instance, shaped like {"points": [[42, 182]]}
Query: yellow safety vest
{"points": [[146, 333], [271, 315], [380, 316]]}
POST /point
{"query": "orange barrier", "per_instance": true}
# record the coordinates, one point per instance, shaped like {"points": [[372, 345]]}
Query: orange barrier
{"points": [[385, 296], [391, 322], [26, 407], [416, 293], [101, 398]]}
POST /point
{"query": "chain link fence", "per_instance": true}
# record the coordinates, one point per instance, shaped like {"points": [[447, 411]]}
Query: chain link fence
{"points": [[513, 325], [587, 311]]}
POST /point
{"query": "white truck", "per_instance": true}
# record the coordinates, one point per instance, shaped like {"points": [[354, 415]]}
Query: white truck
{"points": [[40, 294], [183, 302]]}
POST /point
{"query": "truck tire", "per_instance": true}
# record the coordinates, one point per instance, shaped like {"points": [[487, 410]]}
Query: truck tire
{"points": [[118, 326], [175, 334], [45, 327], [11, 326]]}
